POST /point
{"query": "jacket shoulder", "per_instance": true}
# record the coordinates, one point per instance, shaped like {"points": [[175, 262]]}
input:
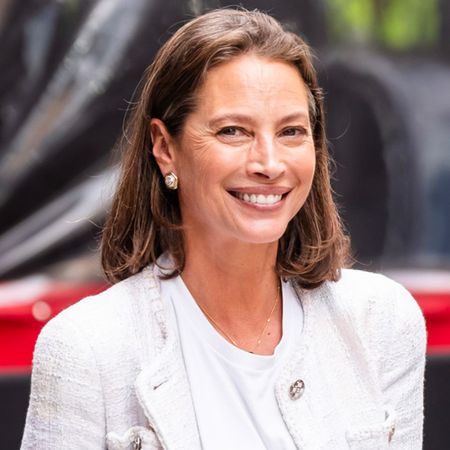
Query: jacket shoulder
{"points": [[374, 306], [112, 321], [382, 309], [115, 301], [361, 289]]}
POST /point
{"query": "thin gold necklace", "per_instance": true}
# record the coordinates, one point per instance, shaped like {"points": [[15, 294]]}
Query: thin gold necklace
{"points": [[233, 341]]}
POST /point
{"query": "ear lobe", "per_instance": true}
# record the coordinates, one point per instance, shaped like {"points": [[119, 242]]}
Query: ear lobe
{"points": [[162, 145]]}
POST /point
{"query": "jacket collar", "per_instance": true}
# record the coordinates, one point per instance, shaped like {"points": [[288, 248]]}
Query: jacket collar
{"points": [[162, 387]]}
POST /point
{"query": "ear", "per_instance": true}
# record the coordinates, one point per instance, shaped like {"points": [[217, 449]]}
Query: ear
{"points": [[163, 146]]}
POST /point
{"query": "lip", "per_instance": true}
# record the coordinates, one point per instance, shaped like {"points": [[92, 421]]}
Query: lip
{"points": [[263, 190]]}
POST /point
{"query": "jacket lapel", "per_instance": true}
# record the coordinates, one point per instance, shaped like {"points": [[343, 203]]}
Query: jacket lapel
{"points": [[297, 407], [162, 387], [163, 391]]}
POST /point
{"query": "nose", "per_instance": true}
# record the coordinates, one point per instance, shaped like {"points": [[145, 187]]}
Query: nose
{"points": [[264, 159]]}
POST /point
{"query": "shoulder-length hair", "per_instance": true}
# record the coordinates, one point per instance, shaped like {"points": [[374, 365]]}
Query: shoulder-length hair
{"points": [[144, 220]]}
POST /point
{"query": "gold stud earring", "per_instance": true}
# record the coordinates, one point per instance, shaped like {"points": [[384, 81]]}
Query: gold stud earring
{"points": [[171, 181]]}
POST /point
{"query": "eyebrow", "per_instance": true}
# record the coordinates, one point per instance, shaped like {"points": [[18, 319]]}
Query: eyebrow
{"points": [[229, 118], [298, 115]]}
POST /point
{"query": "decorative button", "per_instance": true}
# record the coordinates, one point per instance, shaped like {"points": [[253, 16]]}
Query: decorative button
{"points": [[137, 443], [296, 389]]}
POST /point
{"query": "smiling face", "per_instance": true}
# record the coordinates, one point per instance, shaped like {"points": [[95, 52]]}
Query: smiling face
{"points": [[245, 158]]}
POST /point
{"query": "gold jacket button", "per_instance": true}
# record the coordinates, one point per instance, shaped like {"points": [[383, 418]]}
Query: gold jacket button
{"points": [[296, 389]]}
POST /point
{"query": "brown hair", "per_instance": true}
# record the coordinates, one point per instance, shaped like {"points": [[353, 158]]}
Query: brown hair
{"points": [[144, 220]]}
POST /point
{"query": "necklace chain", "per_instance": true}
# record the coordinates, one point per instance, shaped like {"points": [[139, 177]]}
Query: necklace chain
{"points": [[230, 338]]}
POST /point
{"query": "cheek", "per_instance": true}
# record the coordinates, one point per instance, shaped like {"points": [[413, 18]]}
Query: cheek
{"points": [[192, 163], [306, 165], [207, 164], [199, 172]]}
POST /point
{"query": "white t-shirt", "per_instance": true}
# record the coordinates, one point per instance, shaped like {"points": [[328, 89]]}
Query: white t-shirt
{"points": [[233, 391]]}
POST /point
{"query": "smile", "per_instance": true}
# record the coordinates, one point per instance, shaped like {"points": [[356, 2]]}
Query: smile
{"points": [[258, 199]]}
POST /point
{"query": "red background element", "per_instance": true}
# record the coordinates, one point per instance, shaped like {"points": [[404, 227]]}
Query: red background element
{"points": [[436, 309], [19, 327]]}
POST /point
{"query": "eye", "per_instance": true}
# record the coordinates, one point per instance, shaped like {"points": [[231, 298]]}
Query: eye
{"points": [[231, 131], [232, 135], [294, 131]]}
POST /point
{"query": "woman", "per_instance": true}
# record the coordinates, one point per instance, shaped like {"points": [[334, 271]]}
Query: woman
{"points": [[231, 324]]}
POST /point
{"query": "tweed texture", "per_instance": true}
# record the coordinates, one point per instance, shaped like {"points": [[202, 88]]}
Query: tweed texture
{"points": [[108, 372]]}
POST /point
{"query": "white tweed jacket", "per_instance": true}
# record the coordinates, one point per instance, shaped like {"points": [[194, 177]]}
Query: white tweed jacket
{"points": [[108, 372]]}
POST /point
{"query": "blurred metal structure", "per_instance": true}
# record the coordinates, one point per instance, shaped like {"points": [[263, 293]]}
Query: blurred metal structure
{"points": [[71, 69], [389, 131]]}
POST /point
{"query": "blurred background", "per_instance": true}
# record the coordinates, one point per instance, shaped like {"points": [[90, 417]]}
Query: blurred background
{"points": [[68, 71]]}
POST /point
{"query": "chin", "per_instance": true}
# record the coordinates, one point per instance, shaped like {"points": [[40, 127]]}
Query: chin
{"points": [[263, 236]]}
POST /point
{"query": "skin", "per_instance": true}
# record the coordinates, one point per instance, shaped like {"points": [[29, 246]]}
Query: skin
{"points": [[249, 134]]}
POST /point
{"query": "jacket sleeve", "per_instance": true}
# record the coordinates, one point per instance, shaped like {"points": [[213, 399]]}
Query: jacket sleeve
{"points": [[402, 361], [66, 409]]}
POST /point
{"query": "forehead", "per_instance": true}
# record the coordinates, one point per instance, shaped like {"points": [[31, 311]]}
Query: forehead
{"points": [[250, 81]]}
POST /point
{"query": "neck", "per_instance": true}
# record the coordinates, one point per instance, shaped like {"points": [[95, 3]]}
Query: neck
{"points": [[231, 279], [237, 288]]}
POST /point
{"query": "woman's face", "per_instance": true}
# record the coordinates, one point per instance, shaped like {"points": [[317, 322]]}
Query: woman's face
{"points": [[245, 158]]}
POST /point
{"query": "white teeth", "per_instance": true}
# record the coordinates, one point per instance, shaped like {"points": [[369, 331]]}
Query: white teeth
{"points": [[259, 199]]}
